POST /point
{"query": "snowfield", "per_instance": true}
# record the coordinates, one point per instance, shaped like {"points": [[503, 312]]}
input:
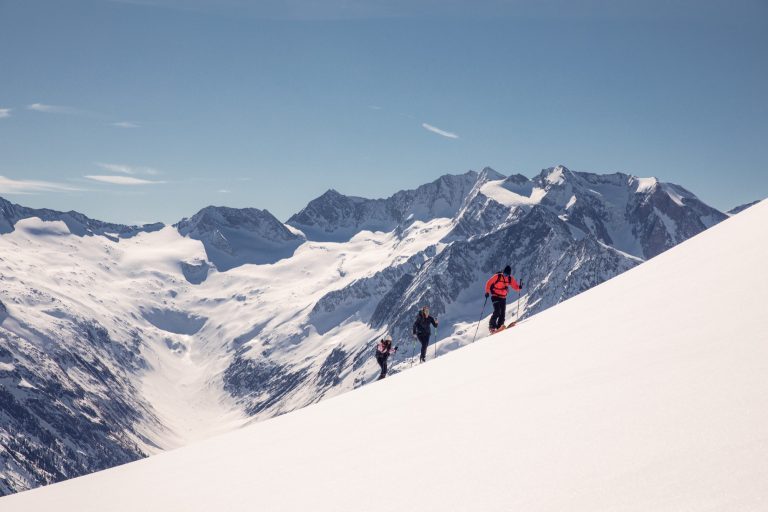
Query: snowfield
{"points": [[647, 392]]}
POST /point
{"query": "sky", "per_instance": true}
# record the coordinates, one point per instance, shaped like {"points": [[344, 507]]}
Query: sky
{"points": [[136, 111]]}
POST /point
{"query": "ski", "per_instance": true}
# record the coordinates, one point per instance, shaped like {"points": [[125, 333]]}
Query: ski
{"points": [[504, 327]]}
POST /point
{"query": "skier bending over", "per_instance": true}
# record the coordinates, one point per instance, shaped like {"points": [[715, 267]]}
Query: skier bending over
{"points": [[383, 349], [497, 287], [421, 330]]}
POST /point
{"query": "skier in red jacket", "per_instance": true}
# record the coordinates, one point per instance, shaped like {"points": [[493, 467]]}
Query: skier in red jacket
{"points": [[497, 287]]}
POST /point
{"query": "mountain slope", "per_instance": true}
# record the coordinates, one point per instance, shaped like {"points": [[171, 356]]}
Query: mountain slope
{"points": [[231, 317], [77, 223], [741, 208], [645, 393], [563, 232], [97, 363], [336, 217], [234, 237]]}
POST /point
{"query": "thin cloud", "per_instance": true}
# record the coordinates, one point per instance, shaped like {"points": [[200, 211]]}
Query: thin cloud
{"points": [[125, 124], [375, 107], [122, 180], [225, 191], [127, 169], [5, 112], [52, 109], [11, 186], [115, 168], [435, 129]]}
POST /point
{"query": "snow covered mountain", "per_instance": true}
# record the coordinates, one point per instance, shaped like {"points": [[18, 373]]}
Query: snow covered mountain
{"points": [[234, 237], [77, 223], [640, 394], [136, 340], [336, 217], [563, 232]]}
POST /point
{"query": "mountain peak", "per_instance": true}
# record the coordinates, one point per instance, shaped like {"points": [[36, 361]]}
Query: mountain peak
{"points": [[643, 185], [516, 179], [216, 216], [557, 175], [336, 217], [490, 174], [331, 193], [235, 236]]}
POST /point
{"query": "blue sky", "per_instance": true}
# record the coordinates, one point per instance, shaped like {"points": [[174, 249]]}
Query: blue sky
{"points": [[144, 110]]}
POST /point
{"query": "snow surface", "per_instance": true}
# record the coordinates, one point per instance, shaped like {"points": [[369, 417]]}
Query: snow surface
{"points": [[645, 185], [674, 193], [642, 393], [556, 176], [133, 280], [25, 384], [503, 195], [188, 329]]}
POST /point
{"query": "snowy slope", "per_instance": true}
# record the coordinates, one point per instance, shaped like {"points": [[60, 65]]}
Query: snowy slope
{"points": [[118, 342], [109, 352], [647, 392]]}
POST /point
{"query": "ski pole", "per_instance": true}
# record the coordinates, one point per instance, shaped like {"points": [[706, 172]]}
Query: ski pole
{"points": [[480, 319], [435, 342], [392, 366]]}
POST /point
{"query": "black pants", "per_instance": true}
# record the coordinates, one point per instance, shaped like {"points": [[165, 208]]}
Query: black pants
{"points": [[383, 364], [424, 339], [499, 312]]}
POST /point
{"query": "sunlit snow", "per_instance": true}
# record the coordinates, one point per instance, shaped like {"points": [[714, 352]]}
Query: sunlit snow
{"points": [[641, 394]]}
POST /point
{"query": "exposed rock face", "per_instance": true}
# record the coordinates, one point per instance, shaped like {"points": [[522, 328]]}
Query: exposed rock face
{"points": [[66, 408], [264, 383], [195, 271]]}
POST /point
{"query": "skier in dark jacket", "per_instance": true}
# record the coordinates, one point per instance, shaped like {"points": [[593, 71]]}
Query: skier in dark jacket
{"points": [[497, 288], [383, 350], [422, 331]]}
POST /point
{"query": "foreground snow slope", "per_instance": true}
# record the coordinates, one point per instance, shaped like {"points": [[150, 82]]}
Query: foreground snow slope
{"points": [[647, 392]]}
